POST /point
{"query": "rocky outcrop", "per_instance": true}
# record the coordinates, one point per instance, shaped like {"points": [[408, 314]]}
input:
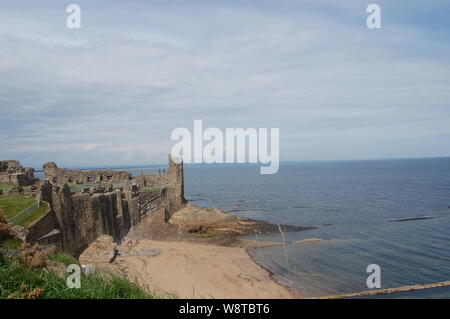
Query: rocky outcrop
{"points": [[212, 221], [99, 251]]}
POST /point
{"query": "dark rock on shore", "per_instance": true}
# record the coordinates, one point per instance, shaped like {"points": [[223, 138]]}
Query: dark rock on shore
{"points": [[213, 221], [206, 225]]}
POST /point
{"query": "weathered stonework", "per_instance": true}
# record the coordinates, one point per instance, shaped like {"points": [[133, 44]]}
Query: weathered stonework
{"points": [[11, 172], [79, 218], [63, 175]]}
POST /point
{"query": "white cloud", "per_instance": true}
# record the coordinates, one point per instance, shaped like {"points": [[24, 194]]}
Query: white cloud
{"points": [[111, 93]]}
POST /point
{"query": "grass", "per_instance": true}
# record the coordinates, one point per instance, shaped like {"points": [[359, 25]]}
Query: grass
{"points": [[20, 281], [74, 188], [150, 188], [64, 258], [5, 188], [13, 205], [26, 219], [13, 243]]}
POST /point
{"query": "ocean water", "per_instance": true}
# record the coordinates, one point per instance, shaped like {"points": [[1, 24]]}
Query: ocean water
{"points": [[355, 206]]}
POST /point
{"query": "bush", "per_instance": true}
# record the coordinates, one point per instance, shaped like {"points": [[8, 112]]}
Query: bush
{"points": [[27, 276], [13, 243], [34, 256], [6, 231]]}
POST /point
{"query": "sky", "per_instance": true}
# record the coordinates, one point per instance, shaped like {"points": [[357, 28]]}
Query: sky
{"points": [[111, 92]]}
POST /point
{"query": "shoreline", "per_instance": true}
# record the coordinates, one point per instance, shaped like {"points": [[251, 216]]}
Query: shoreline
{"points": [[356, 294], [295, 293], [198, 254], [176, 263], [185, 269]]}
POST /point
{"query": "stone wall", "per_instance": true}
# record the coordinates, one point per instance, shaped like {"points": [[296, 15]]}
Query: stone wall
{"points": [[80, 218], [11, 172], [64, 175], [174, 178], [10, 167], [42, 226]]}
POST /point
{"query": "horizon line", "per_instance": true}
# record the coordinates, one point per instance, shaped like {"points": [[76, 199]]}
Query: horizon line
{"points": [[160, 165]]}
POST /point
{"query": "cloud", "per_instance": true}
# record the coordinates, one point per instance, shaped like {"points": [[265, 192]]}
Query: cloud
{"points": [[112, 92]]}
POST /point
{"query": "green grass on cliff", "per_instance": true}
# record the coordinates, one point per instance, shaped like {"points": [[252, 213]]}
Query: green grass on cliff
{"points": [[18, 281], [13, 205], [37, 212]]}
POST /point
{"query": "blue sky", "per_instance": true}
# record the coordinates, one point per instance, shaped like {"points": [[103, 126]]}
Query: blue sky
{"points": [[111, 92]]}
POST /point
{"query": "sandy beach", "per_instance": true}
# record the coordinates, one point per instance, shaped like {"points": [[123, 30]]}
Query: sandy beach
{"points": [[188, 270], [191, 270], [174, 261]]}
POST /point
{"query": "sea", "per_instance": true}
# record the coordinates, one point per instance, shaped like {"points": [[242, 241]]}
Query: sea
{"points": [[391, 213]]}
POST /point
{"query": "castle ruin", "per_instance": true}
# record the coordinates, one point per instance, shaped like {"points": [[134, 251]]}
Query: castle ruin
{"points": [[114, 203], [12, 173]]}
